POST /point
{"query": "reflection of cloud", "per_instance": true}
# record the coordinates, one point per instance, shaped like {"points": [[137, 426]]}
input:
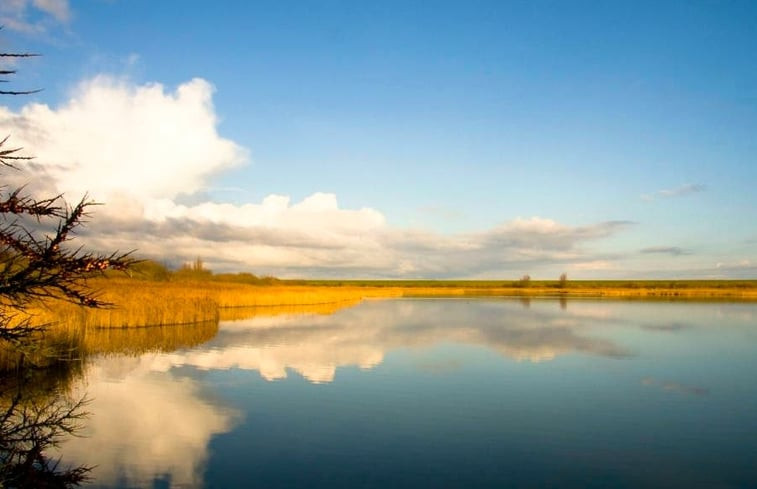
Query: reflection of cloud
{"points": [[315, 345], [669, 327], [316, 361], [675, 387], [440, 366], [686, 189], [144, 424]]}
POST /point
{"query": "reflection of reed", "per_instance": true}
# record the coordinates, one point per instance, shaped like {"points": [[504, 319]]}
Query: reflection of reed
{"points": [[61, 346], [56, 349], [237, 313], [135, 341]]}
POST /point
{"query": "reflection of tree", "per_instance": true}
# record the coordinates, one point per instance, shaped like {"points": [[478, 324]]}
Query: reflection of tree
{"points": [[32, 422], [27, 431]]}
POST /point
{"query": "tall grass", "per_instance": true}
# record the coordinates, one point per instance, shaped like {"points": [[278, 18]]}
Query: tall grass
{"points": [[138, 303], [66, 342]]}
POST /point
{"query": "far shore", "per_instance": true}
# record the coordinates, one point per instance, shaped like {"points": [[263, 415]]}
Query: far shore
{"points": [[738, 290]]}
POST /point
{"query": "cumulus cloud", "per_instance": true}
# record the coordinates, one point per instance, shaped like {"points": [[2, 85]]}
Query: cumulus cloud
{"points": [[686, 189], [33, 16], [116, 140], [141, 149]]}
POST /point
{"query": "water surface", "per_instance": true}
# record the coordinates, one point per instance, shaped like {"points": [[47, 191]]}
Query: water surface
{"points": [[436, 393]]}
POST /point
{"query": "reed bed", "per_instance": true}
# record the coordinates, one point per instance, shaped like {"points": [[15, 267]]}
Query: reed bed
{"points": [[741, 294], [139, 303]]}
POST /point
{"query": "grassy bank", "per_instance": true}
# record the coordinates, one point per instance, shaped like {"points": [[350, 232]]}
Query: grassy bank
{"points": [[742, 290], [140, 302]]}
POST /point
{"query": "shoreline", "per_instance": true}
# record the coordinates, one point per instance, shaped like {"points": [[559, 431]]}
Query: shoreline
{"points": [[140, 303]]}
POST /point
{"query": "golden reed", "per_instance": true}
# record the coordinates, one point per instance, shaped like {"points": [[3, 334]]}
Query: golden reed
{"points": [[138, 303]]}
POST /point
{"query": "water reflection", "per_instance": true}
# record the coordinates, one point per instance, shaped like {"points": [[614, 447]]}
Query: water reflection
{"points": [[669, 386], [186, 406], [146, 426], [36, 413], [315, 346]]}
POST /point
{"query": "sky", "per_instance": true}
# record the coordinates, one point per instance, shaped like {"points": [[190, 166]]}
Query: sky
{"points": [[402, 139]]}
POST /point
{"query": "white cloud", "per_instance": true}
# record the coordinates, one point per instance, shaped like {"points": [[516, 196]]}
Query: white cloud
{"points": [[140, 149], [115, 139], [686, 189], [33, 16], [57, 8]]}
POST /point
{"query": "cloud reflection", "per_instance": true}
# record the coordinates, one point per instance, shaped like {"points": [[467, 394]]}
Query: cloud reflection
{"points": [[669, 386], [314, 346], [145, 426]]}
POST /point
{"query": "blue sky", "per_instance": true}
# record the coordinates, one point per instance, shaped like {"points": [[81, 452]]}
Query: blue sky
{"points": [[441, 139]]}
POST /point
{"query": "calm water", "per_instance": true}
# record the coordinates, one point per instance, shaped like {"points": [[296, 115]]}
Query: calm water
{"points": [[437, 393]]}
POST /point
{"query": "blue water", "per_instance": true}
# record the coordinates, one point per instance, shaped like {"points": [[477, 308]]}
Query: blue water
{"points": [[437, 393]]}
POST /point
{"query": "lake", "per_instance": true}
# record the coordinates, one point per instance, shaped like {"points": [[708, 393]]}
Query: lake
{"points": [[434, 393]]}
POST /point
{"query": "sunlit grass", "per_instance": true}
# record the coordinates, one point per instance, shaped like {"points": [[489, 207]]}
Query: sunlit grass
{"points": [[670, 289], [138, 303]]}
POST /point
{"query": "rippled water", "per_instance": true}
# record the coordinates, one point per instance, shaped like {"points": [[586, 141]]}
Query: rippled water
{"points": [[437, 393]]}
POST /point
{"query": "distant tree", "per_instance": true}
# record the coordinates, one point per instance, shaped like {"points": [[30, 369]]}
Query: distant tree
{"points": [[525, 280], [194, 270], [563, 282], [150, 270]]}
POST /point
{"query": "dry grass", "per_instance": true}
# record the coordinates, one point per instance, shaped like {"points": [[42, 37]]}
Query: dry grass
{"points": [[735, 293], [139, 303]]}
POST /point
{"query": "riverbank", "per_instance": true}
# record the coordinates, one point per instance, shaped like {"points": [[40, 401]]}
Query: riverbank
{"points": [[138, 303]]}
